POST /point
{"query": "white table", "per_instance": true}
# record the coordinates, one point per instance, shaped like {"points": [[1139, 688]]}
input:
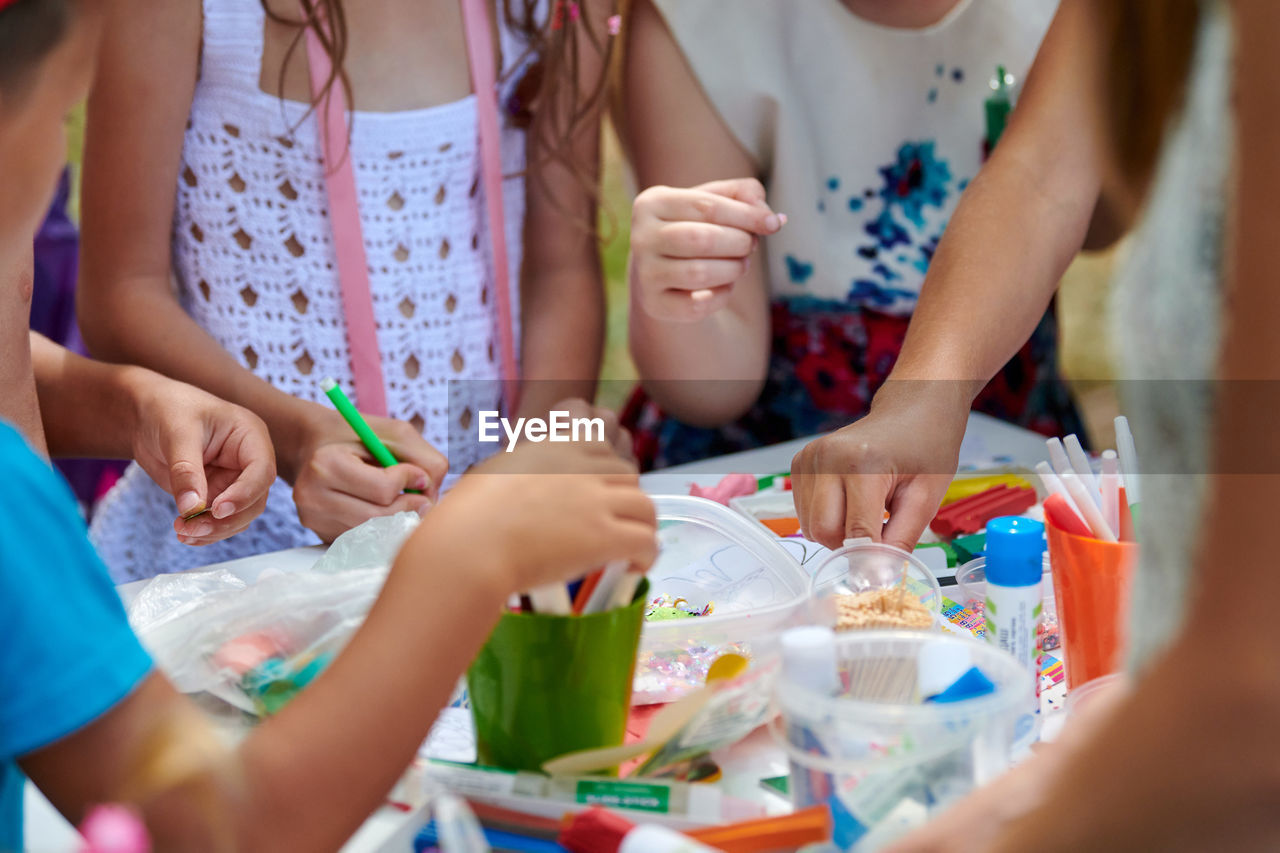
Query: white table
{"points": [[390, 830]]}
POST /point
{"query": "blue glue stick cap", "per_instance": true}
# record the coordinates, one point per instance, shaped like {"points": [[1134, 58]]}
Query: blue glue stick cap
{"points": [[1015, 551]]}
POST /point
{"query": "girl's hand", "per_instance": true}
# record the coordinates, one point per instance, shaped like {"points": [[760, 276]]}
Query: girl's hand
{"points": [[208, 453], [689, 246], [552, 512], [338, 484], [900, 457]]}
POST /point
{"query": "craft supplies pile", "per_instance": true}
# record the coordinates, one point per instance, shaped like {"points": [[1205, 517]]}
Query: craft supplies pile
{"points": [[747, 675], [637, 425]]}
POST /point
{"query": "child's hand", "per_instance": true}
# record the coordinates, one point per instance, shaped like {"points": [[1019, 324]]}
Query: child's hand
{"points": [[550, 512], [338, 485], [206, 452], [689, 246]]}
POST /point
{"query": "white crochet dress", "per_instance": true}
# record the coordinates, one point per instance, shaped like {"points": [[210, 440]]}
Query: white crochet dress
{"points": [[254, 265]]}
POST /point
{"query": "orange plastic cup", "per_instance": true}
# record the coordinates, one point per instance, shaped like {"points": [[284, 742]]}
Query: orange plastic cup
{"points": [[1091, 582]]}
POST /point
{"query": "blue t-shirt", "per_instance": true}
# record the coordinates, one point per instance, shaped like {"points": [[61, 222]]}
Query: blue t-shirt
{"points": [[67, 655]]}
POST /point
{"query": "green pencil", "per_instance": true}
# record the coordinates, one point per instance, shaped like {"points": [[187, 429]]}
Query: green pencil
{"points": [[367, 436]]}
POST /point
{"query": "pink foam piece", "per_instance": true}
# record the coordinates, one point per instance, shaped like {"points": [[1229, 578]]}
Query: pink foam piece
{"points": [[732, 486], [243, 653]]}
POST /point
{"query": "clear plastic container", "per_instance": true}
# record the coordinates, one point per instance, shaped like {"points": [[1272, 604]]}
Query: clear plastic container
{"points": [[877, 753], [971, 579], [865, 567], [711, 556]]}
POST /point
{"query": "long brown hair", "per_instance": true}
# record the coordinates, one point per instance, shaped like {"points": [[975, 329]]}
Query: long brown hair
{"points": [[554, 85], [1149, 49]]}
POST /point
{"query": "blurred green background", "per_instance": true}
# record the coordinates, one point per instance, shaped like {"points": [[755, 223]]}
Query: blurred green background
{"points": [[615, 216]]}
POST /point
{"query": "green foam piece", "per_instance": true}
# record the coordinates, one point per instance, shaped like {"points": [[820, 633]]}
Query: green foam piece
{"points": [[968, 547]]}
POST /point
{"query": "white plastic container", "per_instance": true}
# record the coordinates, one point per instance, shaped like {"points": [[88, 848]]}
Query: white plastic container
{"points": [[877, 761], [709, 554]]}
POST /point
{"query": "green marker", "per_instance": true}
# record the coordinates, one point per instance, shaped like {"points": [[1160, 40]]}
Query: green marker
{"points": [[998, 107], [367, 436]]}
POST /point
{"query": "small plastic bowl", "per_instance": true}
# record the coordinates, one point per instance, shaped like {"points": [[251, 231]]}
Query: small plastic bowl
{"points": [[971, 578], [866, 567]]}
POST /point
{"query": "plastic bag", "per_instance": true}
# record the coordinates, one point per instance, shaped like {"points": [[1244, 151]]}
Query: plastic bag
{"points": [[373, 544], [255, 645]]}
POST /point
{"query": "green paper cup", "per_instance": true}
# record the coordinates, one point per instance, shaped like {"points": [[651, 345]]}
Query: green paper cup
{"points": [[543, 686]]}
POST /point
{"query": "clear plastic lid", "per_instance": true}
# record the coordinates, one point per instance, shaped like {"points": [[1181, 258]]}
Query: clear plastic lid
{"points": [[713, 562]]}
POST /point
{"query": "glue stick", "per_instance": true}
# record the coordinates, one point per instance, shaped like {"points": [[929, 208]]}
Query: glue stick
{"points": [[809, 659], [1015, 562]]}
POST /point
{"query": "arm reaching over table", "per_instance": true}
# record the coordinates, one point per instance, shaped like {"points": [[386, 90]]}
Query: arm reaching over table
{"points": [[1019, 224]]}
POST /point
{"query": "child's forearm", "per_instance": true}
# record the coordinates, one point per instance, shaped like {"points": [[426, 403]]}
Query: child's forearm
{"points": [[88, 407], [18, 403], [562, 338], [1019, 224], [321, 765], [306, 778], [562, 291]]}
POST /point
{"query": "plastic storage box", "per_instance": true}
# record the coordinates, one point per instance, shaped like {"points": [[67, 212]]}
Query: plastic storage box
{"points": [[712, 557]]}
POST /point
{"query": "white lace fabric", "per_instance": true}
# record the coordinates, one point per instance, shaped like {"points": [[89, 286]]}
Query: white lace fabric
{"points": [[254, 264]]}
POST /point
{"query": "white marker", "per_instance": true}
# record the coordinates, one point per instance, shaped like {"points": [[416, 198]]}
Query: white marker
{"points": [[551, 599], [1058, 456], [1092, 515], [625, 589], [603, 593], [1053, 485], [1080, 464]]}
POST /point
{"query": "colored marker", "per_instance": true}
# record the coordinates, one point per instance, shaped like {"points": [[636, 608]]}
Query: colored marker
{"points": [[363, 431], [1109, 486], [1128, 460], [585, 589], [1062, 516]]}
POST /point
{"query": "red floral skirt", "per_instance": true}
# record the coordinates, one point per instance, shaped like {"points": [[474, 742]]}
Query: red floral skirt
{"points": [[827, 362]]}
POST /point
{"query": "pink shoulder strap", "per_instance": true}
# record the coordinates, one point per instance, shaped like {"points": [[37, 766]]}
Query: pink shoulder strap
{"points": [[348, 235], [475, 21]]}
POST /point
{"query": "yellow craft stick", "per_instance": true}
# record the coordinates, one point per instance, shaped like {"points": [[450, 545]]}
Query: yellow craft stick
{"points": [[963, 487], [665, 725]]}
